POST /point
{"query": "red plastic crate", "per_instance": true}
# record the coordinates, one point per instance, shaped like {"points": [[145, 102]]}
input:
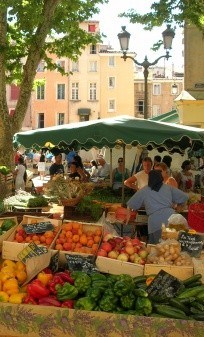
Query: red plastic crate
{"points": [[196, 217]]}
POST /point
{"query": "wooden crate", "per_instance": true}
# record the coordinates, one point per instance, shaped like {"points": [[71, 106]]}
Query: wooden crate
{"points": [[181, 272], [117, 267]]}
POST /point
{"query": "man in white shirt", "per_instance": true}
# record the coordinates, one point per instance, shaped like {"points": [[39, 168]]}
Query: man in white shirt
{"points": [[140, 179], [104, 169]]}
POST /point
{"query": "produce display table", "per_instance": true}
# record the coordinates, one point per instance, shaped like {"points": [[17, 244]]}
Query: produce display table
{"points": [[35, 321]]}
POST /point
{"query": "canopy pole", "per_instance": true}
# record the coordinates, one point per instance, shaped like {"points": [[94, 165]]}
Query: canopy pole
{"points": [[111, 167], [123, 177]]}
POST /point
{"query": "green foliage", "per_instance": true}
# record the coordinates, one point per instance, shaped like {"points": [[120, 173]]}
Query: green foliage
{"points": [[173, 12]]}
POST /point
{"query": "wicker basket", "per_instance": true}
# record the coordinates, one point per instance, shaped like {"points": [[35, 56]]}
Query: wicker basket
{"points": [[71, 202]]}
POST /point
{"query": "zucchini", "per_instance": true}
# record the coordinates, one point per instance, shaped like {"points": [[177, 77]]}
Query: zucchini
{"points": [[198, 306], [198, 317], [200, 295], [168, 311], [194, 284], [186, 300], [139, 279], [191, 292], [192, 279], [195, 311], [140, 293], [177, 304]]}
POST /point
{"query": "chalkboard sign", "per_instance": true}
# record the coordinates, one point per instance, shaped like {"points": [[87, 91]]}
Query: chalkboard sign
{"points": [[30, 251], [54, 262], [191, 243], [81, 263], [39, 227], [163, 286]]}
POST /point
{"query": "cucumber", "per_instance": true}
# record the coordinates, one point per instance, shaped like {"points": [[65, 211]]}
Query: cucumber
{"points": [[177, 304], [140, 293], [186, 300], [195, 311], [192, 279], [168, 311], [139, 279], [198, 306], [200, 295], [191, 292]]}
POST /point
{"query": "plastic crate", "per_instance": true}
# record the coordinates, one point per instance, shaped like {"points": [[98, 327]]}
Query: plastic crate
{"points": [[196, 217]]}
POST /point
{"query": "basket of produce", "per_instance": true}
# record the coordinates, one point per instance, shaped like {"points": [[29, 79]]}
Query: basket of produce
{"points": [[196, 217], [71, 202]]}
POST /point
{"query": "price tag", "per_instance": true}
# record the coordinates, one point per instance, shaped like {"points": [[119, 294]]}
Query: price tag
{"points": [[40, 227], [191, 243], [81, 263], [163, 286], [30, 251]]}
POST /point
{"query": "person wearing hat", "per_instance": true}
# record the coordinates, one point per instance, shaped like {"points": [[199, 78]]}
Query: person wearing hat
{"points": [[185, 178], [57, 167], [157, 198]]}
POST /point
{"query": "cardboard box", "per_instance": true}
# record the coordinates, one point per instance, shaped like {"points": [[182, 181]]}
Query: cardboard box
{"points": [[181, 272], [198, 266], [85, 227], [117, 267], [11, 249], [9, 232]]}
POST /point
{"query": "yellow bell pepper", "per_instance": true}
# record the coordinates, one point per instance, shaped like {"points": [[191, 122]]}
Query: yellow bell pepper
{"points": [[44, 277], [11, 286], [4, 277], [9, 263], [17, 298], [8, 270], [4, 297]]}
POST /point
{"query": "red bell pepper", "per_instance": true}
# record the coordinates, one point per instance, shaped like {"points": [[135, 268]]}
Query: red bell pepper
{"points": [[52, 283], [29, 300], [68, 304], [65, 276], [36, 289], [50, 301]]}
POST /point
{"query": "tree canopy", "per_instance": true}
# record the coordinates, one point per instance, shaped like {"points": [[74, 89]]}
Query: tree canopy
{"points": [[31, 30], [174, 12]]}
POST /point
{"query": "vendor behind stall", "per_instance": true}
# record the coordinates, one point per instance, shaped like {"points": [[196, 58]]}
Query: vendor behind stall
{"points": [[157, 198], [57, 167]]}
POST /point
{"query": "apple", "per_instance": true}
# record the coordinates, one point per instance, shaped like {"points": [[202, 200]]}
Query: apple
{"points": [[113, 254], [123, 257], [132, 257], [137, 242], [137, 259], [118, 240], [143, 253], [102, 252], [129, 249], [112, 242], [106, 246]]}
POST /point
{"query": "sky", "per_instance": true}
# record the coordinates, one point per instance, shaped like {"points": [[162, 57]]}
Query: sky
{"points": [[141, 41]]}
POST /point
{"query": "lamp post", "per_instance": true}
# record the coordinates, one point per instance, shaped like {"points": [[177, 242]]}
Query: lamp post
{"points": [[124, 38]]}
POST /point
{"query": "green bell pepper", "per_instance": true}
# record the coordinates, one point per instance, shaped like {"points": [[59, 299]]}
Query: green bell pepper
{"points": [[94, 293], [127, 301], [98, 281], [66, 291], [143, 305], [108, 303], [82, 282], [125, 277], [122, 287], [85, 303]]}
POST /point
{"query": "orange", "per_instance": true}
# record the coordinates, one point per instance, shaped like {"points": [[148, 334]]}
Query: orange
{"points": [[20, 265], [90, 243], [19, 238], [98, 232], [27, 239], [94, 248], [80, 232], [59, 247], [69, 234], [83, 239], [37, 242], [48, 241], [42, 238], [67, 226], [67, 246], [35, 238], [97, 239], [75, 238], [62, 240], [49, 234], [75, 225]]}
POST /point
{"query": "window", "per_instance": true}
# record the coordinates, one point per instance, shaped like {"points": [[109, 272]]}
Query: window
{"points": [[111, 82], [41, 122], [141, 107], [61, 63], [174, 89], [40, 92], [93, 49], [15, 90], [75, 66], [75, 91], [156, 89], [92, 28], [92, 91], [93, 66], [156, 110], [111, 105], [41, 67], [84, 118], [60, 118], [61, 91], [111, 61]]}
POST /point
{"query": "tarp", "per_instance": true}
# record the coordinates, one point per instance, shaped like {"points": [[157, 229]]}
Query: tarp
{"points": [[109, 132], [168, 117]]}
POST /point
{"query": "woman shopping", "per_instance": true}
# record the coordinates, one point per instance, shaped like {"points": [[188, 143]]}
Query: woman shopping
{"points": [[157, 198]]}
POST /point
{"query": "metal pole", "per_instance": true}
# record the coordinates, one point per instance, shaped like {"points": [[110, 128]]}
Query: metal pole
{"points": [[146, 72]]}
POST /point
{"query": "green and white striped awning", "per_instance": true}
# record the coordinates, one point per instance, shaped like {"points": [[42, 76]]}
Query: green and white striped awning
{"points": [[168, 117]]}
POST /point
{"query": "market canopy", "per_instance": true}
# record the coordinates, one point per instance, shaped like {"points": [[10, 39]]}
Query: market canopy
{"points": [[109, 132], [168, 117]]}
